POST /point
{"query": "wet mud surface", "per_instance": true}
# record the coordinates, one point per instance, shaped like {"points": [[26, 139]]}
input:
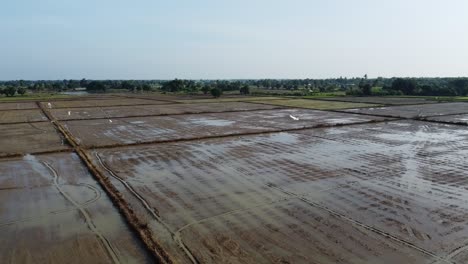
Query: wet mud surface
{"points": [[54, 212], [376, 193], [455, 119]]}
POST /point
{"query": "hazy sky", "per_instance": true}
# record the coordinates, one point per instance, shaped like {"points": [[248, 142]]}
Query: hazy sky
{"points": [[216, 39]]}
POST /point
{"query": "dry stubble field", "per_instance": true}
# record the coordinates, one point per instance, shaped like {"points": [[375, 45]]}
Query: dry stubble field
{"points": [[135, 180]]}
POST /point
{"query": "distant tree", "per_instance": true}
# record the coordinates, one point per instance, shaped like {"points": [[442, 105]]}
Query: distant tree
{"points": [[460, 86], [58, 86], [73, 84], [206, 89], [96, 86], [216, 92], [9, 91], [173, 86], [146, 87], [244, 89], [407, 86], [367, 89], [128, 85], [21, 91], [83, 83]]}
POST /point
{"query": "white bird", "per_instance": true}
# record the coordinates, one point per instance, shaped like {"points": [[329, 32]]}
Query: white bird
{"points": [[110, 121], [293, 117], [69, 112], [49, 105]]}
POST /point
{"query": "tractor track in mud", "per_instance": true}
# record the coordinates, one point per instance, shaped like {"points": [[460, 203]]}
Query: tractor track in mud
{"points": [[55, 212], [89, 221], [364, 226], [148, 208]]}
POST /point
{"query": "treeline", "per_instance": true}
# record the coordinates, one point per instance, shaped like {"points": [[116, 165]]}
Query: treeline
{"points": [[216, 88], [352, 86], [412, 86]]}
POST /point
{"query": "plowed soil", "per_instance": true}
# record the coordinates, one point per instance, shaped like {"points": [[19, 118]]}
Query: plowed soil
{"points": [[17, 116], [29, 138], [17, 106]]}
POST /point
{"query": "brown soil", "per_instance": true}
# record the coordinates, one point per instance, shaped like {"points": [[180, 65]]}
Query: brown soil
{"points": [[29, 138], [21, 116]]}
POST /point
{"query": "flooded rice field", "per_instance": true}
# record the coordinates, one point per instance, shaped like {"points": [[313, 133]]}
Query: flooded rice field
{"points": [[361, 194], [147, 110], [382, 100], [108, 132], [100, 102], [415, 111], [315, 104], [99, 181]]}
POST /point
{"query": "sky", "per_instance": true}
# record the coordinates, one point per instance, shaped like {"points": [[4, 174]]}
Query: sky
{"points": [[239, 39]]}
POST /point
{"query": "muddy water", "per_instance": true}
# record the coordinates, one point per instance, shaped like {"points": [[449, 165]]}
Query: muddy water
{"points": [[390, 191], [54, 212]]}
